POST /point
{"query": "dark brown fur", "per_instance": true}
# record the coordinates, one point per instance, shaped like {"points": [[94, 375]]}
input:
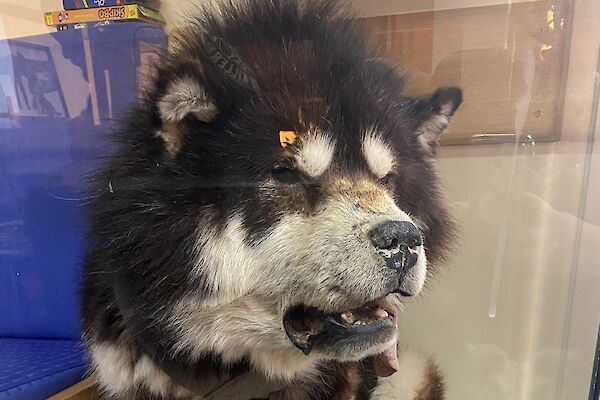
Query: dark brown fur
{"points": [[279, 67]]}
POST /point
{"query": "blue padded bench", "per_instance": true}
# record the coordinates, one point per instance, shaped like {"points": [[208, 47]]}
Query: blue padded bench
{"points": [[59, 93], [36, 368]]}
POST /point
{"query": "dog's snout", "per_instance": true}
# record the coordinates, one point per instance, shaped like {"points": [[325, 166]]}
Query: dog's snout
{"points": [[396, 242], [391, 234]]}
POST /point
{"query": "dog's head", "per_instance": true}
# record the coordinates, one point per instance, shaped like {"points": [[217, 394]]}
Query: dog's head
{"points": [[308, 175]]}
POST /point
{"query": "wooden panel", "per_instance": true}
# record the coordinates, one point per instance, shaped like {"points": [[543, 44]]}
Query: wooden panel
{"points": [[404, 38], [507, 58], [80, 391]]}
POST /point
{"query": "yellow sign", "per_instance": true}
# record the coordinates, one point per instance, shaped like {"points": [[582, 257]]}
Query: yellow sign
{"points": [[287, 137]]}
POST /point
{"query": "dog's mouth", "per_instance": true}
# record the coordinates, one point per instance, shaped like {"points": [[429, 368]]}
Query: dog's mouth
{"points": [[372, 324]]}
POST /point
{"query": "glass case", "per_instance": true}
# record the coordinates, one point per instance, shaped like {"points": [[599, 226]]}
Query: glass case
{"points": [[514, 315]]}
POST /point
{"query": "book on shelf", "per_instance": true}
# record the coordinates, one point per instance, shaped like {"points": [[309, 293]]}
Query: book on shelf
{"points": [[78, 4], [129, 12], [84, 25]]}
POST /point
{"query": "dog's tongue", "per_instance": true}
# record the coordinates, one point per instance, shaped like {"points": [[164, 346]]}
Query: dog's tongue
{"points": [[386, 363]]}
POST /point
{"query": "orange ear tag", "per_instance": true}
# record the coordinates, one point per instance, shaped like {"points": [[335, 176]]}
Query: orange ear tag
{"points": [[287, 137]]}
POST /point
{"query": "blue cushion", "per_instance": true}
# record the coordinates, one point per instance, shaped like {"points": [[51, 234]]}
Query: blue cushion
{"points": [[46, 151], [32, 369]]}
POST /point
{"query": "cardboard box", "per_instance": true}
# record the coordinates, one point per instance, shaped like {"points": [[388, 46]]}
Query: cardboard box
{"points": [[119, 13], [79, 4]]}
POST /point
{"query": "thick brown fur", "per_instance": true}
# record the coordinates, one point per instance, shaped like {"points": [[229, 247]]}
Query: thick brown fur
{"points": [[205, 230]]}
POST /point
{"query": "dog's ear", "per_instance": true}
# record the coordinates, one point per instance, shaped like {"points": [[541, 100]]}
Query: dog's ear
{"points": [[434, 114], [186, 95], [202, 80], [183, 96]]}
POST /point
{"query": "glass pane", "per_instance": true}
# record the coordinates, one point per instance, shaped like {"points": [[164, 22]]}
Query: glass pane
{"points": [[513, 315], [516, 313]]}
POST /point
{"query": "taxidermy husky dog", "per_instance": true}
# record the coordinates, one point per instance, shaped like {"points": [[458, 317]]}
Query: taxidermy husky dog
{"points": [[271, 205]]}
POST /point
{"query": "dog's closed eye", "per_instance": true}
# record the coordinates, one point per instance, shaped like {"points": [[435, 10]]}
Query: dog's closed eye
{"points": [[285, 174], [385, 180], [388, 178]]}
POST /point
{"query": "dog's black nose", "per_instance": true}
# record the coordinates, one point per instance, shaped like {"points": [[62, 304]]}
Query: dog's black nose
{"points": [[396, 241]]}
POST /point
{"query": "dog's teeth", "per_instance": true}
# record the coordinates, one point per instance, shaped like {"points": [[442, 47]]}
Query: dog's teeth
{"points": [[356, 323], [379, 313], [347, 317]]}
